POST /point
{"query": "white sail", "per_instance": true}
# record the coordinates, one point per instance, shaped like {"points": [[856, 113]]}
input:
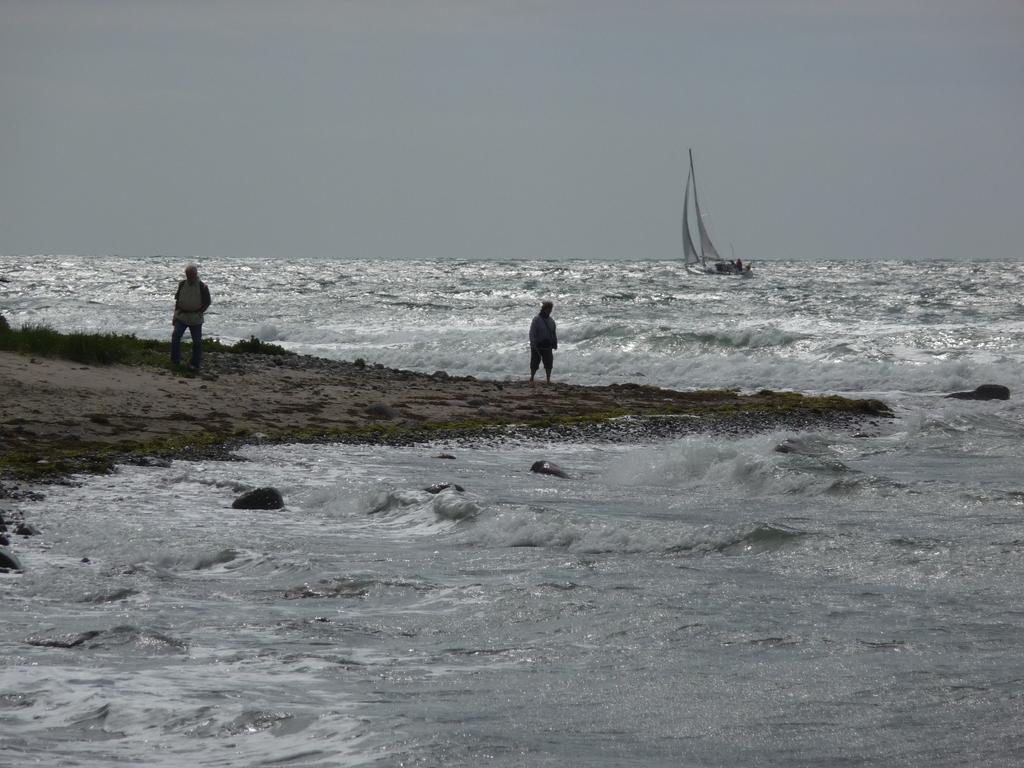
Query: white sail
{"points": [[689, 251], [707, 249], [704, 259]]}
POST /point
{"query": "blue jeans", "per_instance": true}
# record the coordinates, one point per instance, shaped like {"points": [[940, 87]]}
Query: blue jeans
{"points": [[196, 331]]}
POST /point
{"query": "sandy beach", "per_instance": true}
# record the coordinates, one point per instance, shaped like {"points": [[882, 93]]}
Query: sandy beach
{"points": [[57, 405]]}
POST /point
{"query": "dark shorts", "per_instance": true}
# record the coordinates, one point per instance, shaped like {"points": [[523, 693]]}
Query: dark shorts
{"points": [[537, 356]]}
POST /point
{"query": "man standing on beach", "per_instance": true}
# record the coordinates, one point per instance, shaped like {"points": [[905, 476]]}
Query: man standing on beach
{"points": [[191, 300], [543, 341]]}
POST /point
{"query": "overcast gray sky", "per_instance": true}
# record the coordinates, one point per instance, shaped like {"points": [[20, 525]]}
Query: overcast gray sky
{"points": [[455, 129]]}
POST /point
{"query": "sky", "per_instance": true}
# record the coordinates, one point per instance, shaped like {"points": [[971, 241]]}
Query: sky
{"points": [[554, 129]]}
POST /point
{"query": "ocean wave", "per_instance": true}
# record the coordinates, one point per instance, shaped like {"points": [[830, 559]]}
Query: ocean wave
{"points": [[762, 537], [711, 471], [122, 637], [212, 562], [530, 528], [419, 510]]}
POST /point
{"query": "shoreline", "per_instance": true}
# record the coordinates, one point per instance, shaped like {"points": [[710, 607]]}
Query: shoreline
{"points": [[62, 417]]}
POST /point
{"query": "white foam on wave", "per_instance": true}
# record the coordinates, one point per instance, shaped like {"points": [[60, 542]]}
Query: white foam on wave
{"points": [[528, 528], [454, 505], [399, 512], [211, 723], [702, 464]]}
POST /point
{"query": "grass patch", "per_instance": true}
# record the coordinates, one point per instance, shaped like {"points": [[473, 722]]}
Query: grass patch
{"points": [[112, 348], [252, 345], [87, 348]]}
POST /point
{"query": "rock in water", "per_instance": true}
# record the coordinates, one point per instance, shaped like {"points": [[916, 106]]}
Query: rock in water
{"points": [[26, 529], [260, 498], [984, 392], [548, 468], [8, 562], [438, 487]]}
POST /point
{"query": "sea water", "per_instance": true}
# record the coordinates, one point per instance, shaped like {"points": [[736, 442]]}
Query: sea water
{"points": [[706, 601]]}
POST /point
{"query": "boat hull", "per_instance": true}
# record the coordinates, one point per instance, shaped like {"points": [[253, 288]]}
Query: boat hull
{"points": [[720, 268]]}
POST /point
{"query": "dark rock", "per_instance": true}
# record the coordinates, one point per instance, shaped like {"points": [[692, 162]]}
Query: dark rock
{"points": [[443, 456], [438, 487], [548, 468], [326, 588], [802, 445], [8, 562], [113, 638], [67, 640], [984, 392], [26, 529], [260, 498], [16, 492], [4, 541]]}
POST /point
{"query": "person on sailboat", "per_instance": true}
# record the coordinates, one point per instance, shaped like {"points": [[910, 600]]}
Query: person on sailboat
{"points": [[543, 341], [739, 265]]}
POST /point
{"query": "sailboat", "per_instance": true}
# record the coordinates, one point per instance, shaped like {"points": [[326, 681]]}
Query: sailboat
{"points": [[706, 260]]}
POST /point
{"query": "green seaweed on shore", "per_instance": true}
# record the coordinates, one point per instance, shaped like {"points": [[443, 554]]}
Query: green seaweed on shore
{"points": [[58, 463], [55, 464]]}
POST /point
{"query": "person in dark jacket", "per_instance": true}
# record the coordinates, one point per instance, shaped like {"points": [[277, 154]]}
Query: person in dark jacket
{"points": [[191, 301], [543, 341]]}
